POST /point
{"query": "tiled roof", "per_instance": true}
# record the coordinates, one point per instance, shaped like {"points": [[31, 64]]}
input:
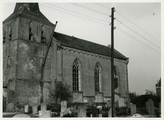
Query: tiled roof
{"points": [[84, 45], [28, 10], [158, 83]]}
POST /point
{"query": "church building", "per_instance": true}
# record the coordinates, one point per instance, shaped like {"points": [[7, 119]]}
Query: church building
{"points": [[35, 57]]}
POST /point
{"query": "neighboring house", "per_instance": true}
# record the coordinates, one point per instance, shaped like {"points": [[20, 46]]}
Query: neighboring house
{"points": [[158, 88], [84, 65]]}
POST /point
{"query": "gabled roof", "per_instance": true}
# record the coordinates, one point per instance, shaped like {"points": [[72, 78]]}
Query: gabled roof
{"points": [[28, 10], [158, 83], [77, 43]]}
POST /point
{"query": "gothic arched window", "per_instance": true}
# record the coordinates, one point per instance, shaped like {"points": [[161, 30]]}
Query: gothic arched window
{"points": [[76, 75], [115, 77], [97, 77]]}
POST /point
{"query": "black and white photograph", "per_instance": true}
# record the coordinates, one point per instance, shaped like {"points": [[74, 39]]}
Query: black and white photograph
{"points": [[87, 59]]}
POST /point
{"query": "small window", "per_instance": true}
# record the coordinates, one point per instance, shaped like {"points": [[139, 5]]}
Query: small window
{"points": [[4, 36], [31, 37], [10, 32], [97, 77], [8, 60], [76, 75], [43, 39]]}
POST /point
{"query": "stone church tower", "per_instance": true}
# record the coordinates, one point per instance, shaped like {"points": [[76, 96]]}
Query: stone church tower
{"points": [[26, 37]]}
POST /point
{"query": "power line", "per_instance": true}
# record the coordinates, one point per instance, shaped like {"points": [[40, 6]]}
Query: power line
{"points": [[138, 34], [137, 39], [93, 10], [119, 21], [76, 15], [136, 25], [130, 22], [101, 23], [102, 5]]}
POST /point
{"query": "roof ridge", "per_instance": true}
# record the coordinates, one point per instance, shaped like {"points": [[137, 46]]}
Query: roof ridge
{"points": [[86, 45], [82, 39]]}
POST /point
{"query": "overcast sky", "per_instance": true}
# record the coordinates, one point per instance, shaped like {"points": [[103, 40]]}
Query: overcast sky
{"points": [[137, 33]]}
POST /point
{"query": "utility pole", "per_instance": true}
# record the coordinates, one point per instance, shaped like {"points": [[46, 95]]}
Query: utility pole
{"points": [[112, 60]]}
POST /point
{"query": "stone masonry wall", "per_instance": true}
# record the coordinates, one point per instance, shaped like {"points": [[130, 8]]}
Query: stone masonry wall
{"points": [[88, 62], [23, 59]]}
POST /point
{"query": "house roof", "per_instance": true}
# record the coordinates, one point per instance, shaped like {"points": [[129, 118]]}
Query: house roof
{"points": [[158, 83], [81, 44], [29, 11]]}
